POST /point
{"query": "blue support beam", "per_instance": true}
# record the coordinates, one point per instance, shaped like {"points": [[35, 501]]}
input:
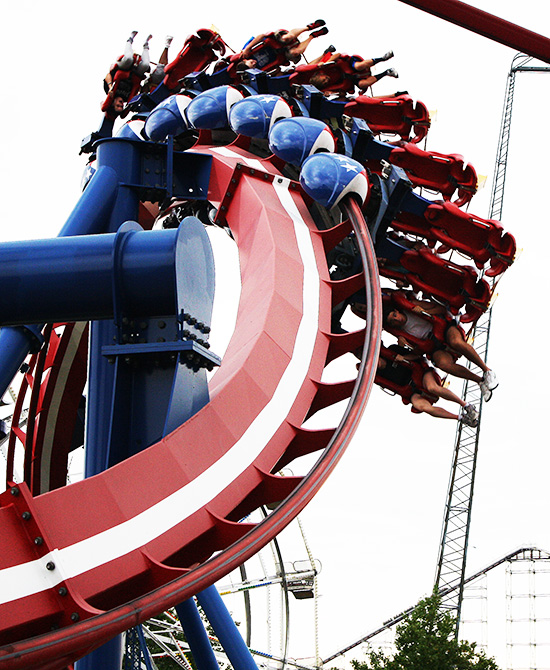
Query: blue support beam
{"points": [[79, 278], [91, 215], [226, 631], [196, 636], [15, 345], [141, 383]]}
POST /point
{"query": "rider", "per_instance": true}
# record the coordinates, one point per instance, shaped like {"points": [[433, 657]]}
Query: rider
{"points": [[126, 73], [341, 72], [282, 45], [157, 75], [447, 348], [416, 381]]}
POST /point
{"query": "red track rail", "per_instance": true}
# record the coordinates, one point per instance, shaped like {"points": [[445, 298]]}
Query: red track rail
{"points": [[487, 25], [56, 379], [166, 543]]}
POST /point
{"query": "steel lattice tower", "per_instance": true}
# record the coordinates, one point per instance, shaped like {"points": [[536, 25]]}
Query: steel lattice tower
{"points": [[451, 563]]}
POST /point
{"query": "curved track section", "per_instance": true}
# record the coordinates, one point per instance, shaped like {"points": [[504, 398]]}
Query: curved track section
{"points": [[55, 380], [84, 562]]}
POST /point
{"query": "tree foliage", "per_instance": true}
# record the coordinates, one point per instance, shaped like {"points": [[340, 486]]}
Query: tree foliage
{"points": [[425, 641]]}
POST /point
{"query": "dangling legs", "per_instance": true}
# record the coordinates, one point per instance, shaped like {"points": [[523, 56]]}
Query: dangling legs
{"points": [[431, 384], [444, 361], [163, 60], [457, 342], [296, 32], [363, 65], [383, 58], [366, 78], [126, 61], [144, 64], [424, 405], [363, 84], [158, 73], [469, 414], [390, 72], [296, 52]]}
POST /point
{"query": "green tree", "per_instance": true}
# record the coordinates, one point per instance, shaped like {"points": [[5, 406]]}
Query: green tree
{"points": [[425, 641]]}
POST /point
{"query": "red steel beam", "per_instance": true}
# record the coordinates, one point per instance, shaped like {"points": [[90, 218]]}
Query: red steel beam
{"points": [[488, 25]]}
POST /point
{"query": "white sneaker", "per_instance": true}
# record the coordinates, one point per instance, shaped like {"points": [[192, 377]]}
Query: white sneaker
{"points": [[472, 412], [468, 419], [490, 380], [168, 41], [388, 55], [392, 72], [486, 392]]}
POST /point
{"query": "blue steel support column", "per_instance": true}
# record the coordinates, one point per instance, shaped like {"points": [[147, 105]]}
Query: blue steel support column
{"points": [[92, 212], [123, 158], [111, 199], [90, 215], [15, 344], [226, 630], [196, 636], [145, 651]]}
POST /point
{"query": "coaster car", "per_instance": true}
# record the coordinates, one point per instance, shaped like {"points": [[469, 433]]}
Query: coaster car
{"points": [[396, 115], [482, 240], [268, 54], [445, 173], [336, 76], [199, 50], [455, 285]]}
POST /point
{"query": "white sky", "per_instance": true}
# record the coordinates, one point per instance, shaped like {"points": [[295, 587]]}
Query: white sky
{"points": [[376, 524]]}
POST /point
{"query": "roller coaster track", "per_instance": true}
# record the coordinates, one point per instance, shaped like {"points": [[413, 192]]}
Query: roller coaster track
{"points": [[66, 547], [81, 563], [521, 554]]}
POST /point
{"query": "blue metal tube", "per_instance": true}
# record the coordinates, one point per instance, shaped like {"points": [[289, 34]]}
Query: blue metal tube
{"points": [[91, 215], [121, 157], [144, 649], [107, 657], [93, 210], [226, 630], [15, 344], [72, 278], [196, 636]]}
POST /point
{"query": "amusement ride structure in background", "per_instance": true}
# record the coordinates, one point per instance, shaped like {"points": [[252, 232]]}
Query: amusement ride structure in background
{"points": [[451, 566], [311, 196]]}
